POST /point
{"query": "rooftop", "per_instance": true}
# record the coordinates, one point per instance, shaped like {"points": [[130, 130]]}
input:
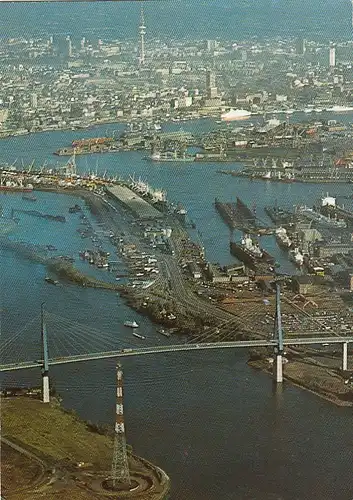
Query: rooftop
{"points": [[140, 207]]}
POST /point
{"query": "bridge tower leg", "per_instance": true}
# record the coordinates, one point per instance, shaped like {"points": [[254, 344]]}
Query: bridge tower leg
{"points": [[277, 362], [45, 367], [345, 356], [120, 464]]}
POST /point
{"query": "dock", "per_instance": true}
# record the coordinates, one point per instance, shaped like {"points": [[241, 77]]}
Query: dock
{"points": [[137, 205], [238, 215]]}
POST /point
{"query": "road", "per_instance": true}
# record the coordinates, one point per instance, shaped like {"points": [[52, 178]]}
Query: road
{"points": [[179, 348]]}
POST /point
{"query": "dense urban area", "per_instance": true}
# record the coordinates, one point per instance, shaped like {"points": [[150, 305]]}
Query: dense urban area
{"points": [[258, 112]]}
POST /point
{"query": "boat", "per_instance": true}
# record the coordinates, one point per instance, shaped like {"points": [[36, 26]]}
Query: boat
{"points": [[29, 197], [297, 257], [139, 336], [51, 281], [74, 209], [321, 219], [235, 114], [170, 157], [12, 187], [163, 332], [250, 252], [131, 324], [51, 248], [340, 109], [282, 238]]}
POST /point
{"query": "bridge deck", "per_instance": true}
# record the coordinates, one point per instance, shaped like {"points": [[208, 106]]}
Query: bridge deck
{"points": [[140, 351]]}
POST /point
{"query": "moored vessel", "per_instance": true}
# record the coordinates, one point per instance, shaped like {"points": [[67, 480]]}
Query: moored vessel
{"points": [[51, 280], [250, 252], [131, 324], [142, 337], [163, 332], [29, 197], [282, 238]]}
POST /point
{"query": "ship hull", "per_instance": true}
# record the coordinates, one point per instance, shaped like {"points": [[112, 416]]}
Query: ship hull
{"points": [[250, 260], [18, 189], [238, 252], [282, 244]]}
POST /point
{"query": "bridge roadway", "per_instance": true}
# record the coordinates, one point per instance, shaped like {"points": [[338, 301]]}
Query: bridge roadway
{"points": [[140, 351]]}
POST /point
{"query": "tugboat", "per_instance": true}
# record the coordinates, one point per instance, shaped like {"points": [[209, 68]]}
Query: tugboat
{"points": [[131, 324], [163, 332], [51, 281]]}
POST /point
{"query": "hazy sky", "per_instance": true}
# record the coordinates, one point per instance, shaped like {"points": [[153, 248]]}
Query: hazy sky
{"points": [[180, 18]]}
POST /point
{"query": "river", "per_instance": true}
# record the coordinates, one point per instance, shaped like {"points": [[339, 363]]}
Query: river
{"points": [[216, 426]]}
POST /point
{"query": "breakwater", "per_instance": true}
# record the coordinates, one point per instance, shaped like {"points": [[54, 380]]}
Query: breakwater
{"points": [[59, 266]]}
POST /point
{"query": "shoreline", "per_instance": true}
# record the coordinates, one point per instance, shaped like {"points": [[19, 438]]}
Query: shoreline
{"points": [[318, 391], [179, 327], [65, 463]]}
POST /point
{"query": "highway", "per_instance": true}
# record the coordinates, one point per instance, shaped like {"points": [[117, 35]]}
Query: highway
{"points": [[141, 351]]}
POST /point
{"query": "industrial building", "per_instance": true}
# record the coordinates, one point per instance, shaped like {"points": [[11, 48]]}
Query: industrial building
{"points": [[140, 207]]}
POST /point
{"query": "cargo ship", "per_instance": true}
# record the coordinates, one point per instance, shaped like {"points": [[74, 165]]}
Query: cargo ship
{"points": [[12, 186], [170, 157], [91, 141], [282, 239], [235, 114], [250, 253], [90, 145]]}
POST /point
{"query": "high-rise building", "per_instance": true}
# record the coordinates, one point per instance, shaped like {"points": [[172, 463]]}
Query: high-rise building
{"points": [[211, 88], [300, 46], [332, 57], [142, 31], [34, 101], [69, 46], [211, 45]]}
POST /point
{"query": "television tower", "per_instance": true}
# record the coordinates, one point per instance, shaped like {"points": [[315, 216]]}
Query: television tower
{"points": [[142, 31], [120, 465]]}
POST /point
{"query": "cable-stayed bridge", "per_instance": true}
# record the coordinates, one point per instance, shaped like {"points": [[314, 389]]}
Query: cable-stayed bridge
{"points": [[65, 341]]}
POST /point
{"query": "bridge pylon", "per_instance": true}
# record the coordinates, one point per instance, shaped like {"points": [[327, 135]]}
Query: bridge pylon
{"points": [[120, 464], [278, 354], [45, 357]]}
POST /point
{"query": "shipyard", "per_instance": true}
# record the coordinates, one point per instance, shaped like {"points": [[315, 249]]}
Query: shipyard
{"points": [[176, 234], [152, 238]]}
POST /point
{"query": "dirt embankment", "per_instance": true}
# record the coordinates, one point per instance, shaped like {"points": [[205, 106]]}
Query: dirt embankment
{"points": [[54, 454], [324, 381]]}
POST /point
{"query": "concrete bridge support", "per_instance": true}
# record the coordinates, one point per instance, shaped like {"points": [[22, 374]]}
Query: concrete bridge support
{"points": [[277, 362], [45, 388], [278, 368], [345, 356]]}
